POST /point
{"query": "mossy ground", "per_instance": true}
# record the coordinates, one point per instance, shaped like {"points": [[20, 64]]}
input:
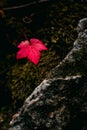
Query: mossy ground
{"points": [[55, 24]]}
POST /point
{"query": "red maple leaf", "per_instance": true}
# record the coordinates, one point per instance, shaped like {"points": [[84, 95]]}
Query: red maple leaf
{"points": [[31, 50]]}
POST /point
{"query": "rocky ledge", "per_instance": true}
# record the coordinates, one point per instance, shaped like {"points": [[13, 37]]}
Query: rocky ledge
{"points": [[60, 101]]}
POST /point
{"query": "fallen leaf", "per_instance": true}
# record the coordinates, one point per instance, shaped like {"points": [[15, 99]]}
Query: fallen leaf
{"points": [[31, 50], [38, 44]]}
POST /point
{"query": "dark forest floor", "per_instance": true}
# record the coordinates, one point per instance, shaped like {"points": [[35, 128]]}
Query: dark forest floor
{"points": [[52, 22]]}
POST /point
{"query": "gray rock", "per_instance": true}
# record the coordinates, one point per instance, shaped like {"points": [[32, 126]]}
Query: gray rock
{"points": [[62, 96]]}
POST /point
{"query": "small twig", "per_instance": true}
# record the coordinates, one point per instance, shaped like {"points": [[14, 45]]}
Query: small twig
{"points": [[23, 6]]}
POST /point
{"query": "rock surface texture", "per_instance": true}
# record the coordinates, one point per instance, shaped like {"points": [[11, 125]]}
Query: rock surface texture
{"points": [[60, 101]]}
